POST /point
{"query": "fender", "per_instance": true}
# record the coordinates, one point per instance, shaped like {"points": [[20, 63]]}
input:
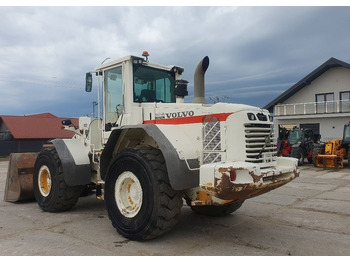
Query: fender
{"points": [[75, 161], [180, 176]]}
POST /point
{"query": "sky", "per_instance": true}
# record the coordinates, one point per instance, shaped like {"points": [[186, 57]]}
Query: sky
{"points": [[256, 52]]}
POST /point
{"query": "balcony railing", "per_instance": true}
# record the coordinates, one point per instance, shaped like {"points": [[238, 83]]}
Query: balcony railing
{"points": [[327, 107]]}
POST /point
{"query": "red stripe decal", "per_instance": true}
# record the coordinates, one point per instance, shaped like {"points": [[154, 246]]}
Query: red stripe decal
{"points": [[186, 120]]}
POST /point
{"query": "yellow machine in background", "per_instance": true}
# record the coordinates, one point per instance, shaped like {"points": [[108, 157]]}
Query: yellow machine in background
{"points": [[333, 153], [333, 156]]}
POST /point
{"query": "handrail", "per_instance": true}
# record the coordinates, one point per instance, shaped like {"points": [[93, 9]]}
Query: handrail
{"points": [[311, 108]]}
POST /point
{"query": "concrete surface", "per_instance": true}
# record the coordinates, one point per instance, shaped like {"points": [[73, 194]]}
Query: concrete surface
{"points": [[309, 216]]}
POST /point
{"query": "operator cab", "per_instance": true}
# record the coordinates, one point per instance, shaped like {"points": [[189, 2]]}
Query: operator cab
{"points": [[346, 136], [300, 135], [129, 82]]}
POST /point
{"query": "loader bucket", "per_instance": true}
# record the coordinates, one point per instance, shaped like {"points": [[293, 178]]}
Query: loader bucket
{"points": [[19, 181], [329, 161]]}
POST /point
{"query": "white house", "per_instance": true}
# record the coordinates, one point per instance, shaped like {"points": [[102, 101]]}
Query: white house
{"points": [[320, 101]]}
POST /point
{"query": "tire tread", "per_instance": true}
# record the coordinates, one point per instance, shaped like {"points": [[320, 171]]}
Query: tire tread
{"points": [[170, 201], [65, 197]]}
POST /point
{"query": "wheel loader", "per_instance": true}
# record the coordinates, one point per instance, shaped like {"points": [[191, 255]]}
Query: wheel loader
{"points": [[147, 151], [333, 153]]}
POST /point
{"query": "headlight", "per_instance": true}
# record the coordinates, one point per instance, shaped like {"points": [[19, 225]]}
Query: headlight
{"points": [[251, 116]]}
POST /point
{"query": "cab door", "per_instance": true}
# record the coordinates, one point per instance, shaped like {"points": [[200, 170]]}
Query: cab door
{"points": [[113, 96]]}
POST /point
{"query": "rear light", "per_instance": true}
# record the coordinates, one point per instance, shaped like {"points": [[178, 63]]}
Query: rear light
{"points": [[233, 175]]}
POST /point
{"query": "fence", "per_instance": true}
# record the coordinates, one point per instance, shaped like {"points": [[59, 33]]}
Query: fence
{"points": [[339, 106]]}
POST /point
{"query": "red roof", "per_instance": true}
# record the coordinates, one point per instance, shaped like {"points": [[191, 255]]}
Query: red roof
{"points": [[39, 126]]}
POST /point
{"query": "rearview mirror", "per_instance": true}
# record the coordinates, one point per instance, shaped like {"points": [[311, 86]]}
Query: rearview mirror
{"points": [[66, 122], [88, 82]]}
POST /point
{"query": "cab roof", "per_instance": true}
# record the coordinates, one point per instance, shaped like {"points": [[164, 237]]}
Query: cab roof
{"points": [[132, 58]]}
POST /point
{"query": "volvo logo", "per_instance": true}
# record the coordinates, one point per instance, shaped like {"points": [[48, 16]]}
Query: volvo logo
{"points": [[179, 114]]}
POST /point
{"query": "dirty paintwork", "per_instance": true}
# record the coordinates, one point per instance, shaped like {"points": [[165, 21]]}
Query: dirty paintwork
{"points": [[227, 190], [251, 182]]}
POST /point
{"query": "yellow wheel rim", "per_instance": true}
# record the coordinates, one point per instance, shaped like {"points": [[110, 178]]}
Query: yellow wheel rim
{"points": [[44, 181]]}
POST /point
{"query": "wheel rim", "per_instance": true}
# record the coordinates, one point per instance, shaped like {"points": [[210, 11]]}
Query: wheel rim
{"points": [[44, 181], [128, 194]]}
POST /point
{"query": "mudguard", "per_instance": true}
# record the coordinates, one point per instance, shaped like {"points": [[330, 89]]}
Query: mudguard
{"points": [[75, 161], [180, 176]]}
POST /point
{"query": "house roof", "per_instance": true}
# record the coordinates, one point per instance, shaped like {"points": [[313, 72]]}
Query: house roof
{"points": [[39, 126], [330, 63]]}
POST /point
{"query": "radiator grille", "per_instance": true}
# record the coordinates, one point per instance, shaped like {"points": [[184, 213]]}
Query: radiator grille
{"points": [[260, 142]]}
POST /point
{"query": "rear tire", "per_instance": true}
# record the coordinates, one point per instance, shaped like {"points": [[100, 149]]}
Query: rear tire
{"points": [[50, 190], [297, 153], [140, 201], [218, 210]]}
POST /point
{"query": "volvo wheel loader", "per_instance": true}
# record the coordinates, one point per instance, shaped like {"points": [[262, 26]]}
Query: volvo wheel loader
{"points": [[149, 150]]}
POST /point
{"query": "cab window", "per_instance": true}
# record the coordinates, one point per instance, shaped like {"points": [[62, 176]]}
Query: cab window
{"points": [[153, 85], [113, 84]]}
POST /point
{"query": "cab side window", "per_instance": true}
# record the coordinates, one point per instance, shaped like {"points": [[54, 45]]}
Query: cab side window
{"points": [[113, 86]]}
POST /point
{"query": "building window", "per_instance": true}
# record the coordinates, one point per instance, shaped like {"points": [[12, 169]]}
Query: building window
{"points": [[345, 101], [325, 103]]}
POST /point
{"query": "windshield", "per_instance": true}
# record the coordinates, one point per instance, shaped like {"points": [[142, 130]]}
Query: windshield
{"points": [[294, 136], [153, 85]]}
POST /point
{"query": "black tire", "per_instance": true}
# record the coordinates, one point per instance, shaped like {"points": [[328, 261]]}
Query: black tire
{"points": [[309, 160], [297, 153], [319, 149], [160, 208], [59, 197], [218, 210]]}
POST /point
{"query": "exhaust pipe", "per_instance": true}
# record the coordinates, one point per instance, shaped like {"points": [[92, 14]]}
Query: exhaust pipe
{"points": [[199, 81]]}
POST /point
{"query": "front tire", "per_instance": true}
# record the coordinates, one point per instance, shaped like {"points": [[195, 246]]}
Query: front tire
{"points": [[297, 153], [140, 201], [50, 190]]}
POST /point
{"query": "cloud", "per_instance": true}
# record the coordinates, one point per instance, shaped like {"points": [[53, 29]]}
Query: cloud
{"points": [[45, 51]]}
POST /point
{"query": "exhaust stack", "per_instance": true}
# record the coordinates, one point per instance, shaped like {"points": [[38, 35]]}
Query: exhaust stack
{"points": [[199, 81]]}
